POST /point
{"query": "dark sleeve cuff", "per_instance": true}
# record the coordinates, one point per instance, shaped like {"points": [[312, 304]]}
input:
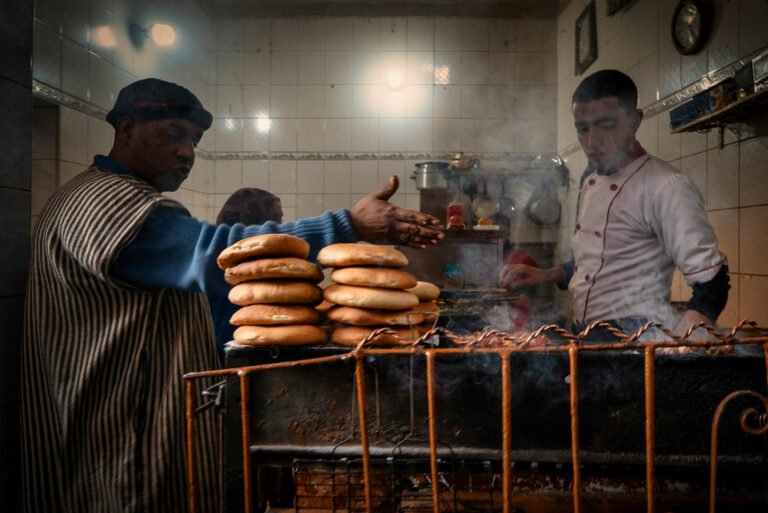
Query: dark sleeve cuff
{"points": [[709, 298], [569, 267]]}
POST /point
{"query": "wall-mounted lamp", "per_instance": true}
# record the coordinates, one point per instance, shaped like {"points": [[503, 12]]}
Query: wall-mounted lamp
{"points": [[162, 34], [104, 37], [263, 124]]}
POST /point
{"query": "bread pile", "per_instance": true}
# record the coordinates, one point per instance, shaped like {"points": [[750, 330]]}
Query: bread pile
{"points": [[277, 289], [371, 291], [427, 294]]}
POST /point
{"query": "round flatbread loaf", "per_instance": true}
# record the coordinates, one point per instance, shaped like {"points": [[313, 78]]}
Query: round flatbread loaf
{"points": [[374, 277], [368, 317], [268, 315], [278, 292], [273, 268], [353, 335], [270, 244], [425, 291], [427, 306], [351, 254], [368, 297], [429, 310], [279, 335]]}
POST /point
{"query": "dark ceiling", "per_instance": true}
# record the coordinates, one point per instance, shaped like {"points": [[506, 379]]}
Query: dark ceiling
{"points": [[467, 8]]}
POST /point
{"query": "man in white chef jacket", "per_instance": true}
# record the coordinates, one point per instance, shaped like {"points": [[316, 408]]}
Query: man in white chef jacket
{"points": [[637, 219]]}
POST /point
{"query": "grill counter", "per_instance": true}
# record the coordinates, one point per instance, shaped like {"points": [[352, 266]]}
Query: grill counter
{"points": [[498, 423]]}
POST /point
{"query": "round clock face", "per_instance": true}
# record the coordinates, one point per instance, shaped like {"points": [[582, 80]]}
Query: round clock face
{"points": [[690, 27]]}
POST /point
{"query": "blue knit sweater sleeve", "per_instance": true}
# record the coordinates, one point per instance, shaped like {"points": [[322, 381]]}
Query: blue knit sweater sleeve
{"points": [[174, 250]]}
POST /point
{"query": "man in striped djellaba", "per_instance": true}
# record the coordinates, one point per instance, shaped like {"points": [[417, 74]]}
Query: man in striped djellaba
{"points": [[117, 312]]}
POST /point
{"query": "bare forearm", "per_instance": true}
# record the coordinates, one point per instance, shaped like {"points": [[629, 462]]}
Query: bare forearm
{"points": [[555, 274]]}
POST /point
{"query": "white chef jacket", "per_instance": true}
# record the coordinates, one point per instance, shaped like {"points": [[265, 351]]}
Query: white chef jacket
{"points": [[633, 227]]}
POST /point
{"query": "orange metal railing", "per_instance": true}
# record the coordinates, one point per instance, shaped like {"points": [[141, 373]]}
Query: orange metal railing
{"points": [[504, 345]]}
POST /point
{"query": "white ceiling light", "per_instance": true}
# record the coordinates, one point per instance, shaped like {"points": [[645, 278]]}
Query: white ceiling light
{"points": [[163, 34], [263, 124], [104, 37]]}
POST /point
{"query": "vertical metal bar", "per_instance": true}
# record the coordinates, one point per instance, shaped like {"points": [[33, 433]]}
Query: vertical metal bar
{"points": [[432, 431], [650, 428], [245, 419], [191, 448], [573, 356], [713, 454], [506, 430], [360, 381]]}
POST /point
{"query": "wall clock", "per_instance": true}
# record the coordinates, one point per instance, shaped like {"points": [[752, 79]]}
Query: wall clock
{"points": [[691, 24]]}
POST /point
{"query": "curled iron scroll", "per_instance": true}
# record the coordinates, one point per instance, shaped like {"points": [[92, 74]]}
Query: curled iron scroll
{"points": [[750, 414]]}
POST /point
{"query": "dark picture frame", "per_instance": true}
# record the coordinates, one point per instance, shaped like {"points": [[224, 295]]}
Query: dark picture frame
{"points": [[586, 38]]}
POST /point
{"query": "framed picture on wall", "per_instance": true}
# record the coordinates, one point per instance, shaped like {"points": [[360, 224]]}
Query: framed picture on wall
{"points": [[586, 38]]}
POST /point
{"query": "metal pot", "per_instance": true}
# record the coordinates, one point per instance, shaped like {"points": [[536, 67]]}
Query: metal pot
{"points": [[544, 210], [430, 175]]}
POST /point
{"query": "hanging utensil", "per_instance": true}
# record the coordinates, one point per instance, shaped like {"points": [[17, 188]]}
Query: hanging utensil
{"points": [[544, 208], [484, 207]]}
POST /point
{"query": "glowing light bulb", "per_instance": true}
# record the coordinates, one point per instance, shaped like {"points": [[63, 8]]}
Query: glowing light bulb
{"points": [[104, 37], [229, 124], [263, 124], [163, 34]]}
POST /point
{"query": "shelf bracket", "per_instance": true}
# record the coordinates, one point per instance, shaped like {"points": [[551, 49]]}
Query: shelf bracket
{"points": [[721, 128]]}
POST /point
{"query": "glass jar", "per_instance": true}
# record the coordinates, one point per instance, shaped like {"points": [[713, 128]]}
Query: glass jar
{"points": [[455, 215], [453, 276]]}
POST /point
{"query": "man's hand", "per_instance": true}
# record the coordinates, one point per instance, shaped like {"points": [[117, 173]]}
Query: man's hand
{"points": [[688, 319], [377, 220], [521, 275]]}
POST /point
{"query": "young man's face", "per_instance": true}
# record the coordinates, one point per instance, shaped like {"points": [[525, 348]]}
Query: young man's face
{"points": [[606, 131], [163, 151]]}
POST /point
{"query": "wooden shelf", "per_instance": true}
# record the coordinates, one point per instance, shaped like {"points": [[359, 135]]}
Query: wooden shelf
{"points": [[475, 234], [735, 112]]}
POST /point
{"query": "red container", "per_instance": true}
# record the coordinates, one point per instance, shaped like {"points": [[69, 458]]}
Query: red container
{"points": [[455, 215]]}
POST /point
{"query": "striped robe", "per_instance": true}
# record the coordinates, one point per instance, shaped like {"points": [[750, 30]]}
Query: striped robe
{"points": [[103, 411]]}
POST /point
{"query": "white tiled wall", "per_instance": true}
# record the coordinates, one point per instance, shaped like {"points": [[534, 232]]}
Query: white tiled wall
{"points": [[479, 85], [44, 156], [732, 179], [70, 57]]}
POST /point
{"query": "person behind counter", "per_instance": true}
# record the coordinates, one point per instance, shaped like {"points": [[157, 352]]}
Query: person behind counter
{"points": [[116, 313], [246, 206], [637, 218], [250, 206]]}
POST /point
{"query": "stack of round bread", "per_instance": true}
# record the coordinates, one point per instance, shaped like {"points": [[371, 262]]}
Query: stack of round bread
{"points": [[277, 289], [370, 291], [427, 294]]}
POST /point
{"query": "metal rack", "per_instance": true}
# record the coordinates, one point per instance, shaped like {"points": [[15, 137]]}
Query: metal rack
{"points": [[735, 112], [504, 346]]}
